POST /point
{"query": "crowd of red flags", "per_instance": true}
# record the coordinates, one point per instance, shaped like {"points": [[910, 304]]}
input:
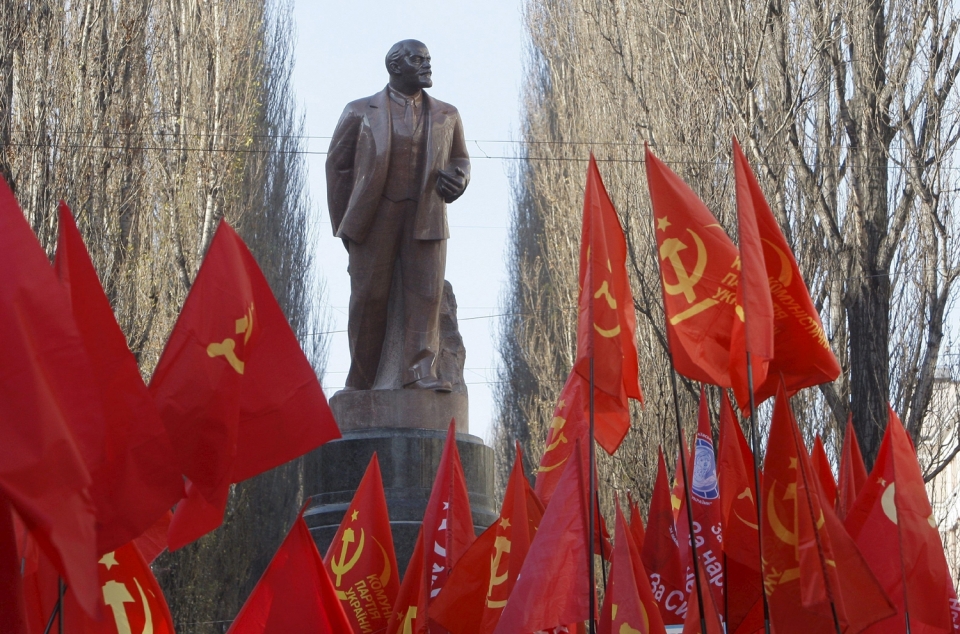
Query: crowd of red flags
{"points": [[87, 486]]}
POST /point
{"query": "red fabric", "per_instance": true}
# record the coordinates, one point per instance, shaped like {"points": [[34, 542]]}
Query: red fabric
{"points": [[802, 354], [823, 471], [447, 532], [552, 588], [361, 559], [570, 422], [153, 541], [130, 598], [12, 617], [607, 325], [699, 273], [295, 594], [753, 329], [893, 525], [478, 587], [853, 473], [811, 565], [135, 479], [234, 389], [628, 605], [46, 392], [711, 614], [735, 471], [661, 553], [409, 604]]}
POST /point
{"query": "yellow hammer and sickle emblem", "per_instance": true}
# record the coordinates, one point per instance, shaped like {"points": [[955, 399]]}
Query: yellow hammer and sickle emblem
{"points": [[343, 566], [115, 595], [783, 533], [670, 250], [747, 493], [556, 428], [604, 292], [786, 270], [501, 545], [227, 347], [385, 575]]}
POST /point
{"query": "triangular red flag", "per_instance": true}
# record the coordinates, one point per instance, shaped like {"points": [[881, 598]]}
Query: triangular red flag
{"points": [[553, 588], [361, 559], [295, 594], [853, 473], [802, 355], [48, 391], [153, 541], [735, 471], [234, 389], [892, 523], [814, 575], [569, 423], [478, 587], [823, 471], [753, 330], [136, 481], [628, 605], [661, 552], [607, 323], [699, 273], [445, 535]]}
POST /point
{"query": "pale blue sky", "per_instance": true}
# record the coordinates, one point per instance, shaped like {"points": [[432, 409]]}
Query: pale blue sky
{"points": [[476, 50]]}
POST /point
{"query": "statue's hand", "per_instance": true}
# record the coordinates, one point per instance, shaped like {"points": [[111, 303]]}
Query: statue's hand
{"points": [[451, 184]]}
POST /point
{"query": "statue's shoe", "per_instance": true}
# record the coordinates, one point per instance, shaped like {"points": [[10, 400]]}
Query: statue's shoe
{"points": [[430, 383]]}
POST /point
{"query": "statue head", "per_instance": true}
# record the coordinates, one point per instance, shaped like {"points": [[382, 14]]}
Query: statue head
{"points": [[408, 63]]}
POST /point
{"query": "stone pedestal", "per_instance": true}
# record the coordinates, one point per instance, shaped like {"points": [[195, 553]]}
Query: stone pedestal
{"points": [[408, 461]]}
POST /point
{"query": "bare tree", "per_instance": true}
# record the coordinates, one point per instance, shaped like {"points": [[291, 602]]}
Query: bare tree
{"points": [[848, 110], [154, 119]]}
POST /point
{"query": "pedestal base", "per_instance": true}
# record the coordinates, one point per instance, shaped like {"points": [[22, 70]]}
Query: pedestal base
{"points": [[409, 459], [400, 408]]}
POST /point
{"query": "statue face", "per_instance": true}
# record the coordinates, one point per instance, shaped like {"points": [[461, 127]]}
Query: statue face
{"points": [[413, 71]]}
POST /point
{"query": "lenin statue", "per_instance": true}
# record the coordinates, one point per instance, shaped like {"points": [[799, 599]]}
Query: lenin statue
{"points": [[396, 159]]}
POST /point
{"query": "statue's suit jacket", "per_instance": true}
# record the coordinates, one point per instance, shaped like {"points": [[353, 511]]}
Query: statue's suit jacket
{"points": [[359, 157]]}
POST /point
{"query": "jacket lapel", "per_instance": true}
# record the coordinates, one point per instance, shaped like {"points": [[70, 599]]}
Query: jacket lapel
{"points": [[380, 122]]}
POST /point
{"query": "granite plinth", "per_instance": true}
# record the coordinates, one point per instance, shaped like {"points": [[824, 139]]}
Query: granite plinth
{"points": [[409, 459], [422, 409]]}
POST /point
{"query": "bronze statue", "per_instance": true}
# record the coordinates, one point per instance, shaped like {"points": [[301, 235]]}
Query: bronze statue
{"points": [[396, 159]]}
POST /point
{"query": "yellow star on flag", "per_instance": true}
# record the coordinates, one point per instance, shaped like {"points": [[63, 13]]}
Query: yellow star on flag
{"points": [[109, 560], [353, 516], [663, 223]]}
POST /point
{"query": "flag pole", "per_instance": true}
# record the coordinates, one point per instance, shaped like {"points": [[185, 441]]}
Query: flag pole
{"points": [[592, 511], [57, 609], [755, 439], [599, 540], [686, 492]]}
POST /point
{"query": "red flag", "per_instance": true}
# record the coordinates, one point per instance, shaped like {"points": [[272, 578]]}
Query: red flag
{"points": [[711, 615], [802, 354], [606, 309], [823, 471], [744, 601], [699, 273], [705, 496], [234, 389], [569, 423], [445, 535], [46, 391], [478, 587], [636, 524], [628, 605], [136, 479], [661, 553], [812, 569], [893, 515], [753, 330], [295, 594], [552, 588], [153, 541], [853, 473], [361, 559], [130, 597]]}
